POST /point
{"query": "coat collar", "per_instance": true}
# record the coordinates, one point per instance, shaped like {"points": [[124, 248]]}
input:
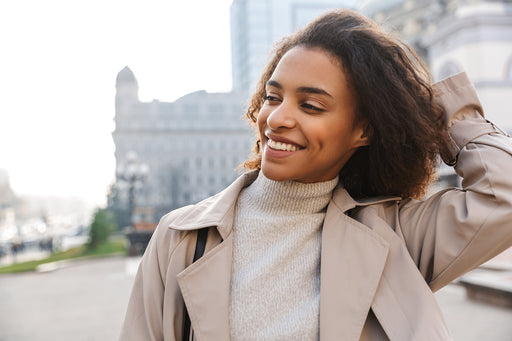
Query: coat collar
{"points": [[342, 199], [212, 211], [353, 258]]}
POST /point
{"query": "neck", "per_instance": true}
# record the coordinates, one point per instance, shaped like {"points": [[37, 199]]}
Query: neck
{"points": [[289, 197]]}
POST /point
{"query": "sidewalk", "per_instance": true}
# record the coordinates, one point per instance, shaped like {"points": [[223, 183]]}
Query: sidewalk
{"points": [[87, 300], [492, 282]]}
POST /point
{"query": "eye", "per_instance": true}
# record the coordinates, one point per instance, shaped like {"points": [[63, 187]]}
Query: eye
{"points": [[270, 98], [311, 107]]}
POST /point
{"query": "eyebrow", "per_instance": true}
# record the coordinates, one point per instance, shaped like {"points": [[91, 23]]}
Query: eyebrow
{"points": [[302, 89]]}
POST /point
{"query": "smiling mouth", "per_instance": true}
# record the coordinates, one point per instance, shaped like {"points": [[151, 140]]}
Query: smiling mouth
{"points": [[282, 146]]}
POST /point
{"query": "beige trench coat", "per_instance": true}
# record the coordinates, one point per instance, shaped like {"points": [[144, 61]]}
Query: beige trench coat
{"points": [[381, 258]]}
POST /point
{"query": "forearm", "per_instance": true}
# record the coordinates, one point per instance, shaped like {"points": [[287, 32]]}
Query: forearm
{"points": [[456, 230]]}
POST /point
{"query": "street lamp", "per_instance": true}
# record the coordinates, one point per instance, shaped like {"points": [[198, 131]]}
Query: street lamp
{"points": [[133, 174]]}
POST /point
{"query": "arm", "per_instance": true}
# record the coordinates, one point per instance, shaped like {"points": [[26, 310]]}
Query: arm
{"points": [[456, 230]]}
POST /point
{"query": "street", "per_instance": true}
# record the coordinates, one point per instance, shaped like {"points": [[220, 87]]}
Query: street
{"points": [[86, 300]]}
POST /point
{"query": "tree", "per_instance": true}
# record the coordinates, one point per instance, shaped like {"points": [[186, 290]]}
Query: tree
{"points": [[102, 225]]}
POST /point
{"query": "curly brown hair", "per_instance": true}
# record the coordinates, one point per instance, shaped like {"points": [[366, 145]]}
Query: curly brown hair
{"points": [[393, 93]]}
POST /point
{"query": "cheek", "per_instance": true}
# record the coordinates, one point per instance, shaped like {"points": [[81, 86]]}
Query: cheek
{"points": [[261, 120], [333, 138], [327, 133]]}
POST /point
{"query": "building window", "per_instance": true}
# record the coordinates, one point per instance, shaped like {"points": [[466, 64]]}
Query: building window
{"points": [[216, 109], [191, 111]]}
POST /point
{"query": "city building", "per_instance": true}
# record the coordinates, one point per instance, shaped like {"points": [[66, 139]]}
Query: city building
{"points": [[180, 152], [451, 36], [477, 38], [257, 24], [188, 149]]}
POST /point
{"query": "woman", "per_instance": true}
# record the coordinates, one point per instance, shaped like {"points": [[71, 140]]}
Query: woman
{"points": [[326, 237]]}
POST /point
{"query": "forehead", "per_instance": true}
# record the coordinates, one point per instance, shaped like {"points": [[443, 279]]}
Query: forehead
{"points": [[312, 67], [310, 63]]}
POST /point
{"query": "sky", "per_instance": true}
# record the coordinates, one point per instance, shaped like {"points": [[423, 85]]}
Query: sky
{"points": [[58, 63]]}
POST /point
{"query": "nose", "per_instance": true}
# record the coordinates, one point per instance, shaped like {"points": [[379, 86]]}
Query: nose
{"points": [[281, 117]]}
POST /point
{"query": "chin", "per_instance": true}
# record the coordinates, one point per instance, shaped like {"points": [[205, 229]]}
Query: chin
{"points": [[275, 175]]}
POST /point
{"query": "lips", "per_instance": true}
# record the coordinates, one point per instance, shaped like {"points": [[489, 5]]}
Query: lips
{"points": [[279, 143], [282, 146]]}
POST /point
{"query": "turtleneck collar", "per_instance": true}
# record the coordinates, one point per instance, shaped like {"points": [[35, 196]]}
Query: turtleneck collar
{"points": [[288, 197]]}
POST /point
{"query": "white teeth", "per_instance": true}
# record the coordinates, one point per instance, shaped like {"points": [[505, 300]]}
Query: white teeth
{"points": [[281, 146]]}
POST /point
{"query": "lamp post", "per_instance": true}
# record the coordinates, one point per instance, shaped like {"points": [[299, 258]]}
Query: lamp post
{"points": [[133, 174]]}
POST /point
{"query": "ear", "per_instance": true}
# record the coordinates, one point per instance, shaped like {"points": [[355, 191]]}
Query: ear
{"points": [[365, 133]]}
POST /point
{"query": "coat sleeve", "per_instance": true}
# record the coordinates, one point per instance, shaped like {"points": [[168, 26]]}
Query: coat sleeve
{"points": [[456, 230], [145, 315]]}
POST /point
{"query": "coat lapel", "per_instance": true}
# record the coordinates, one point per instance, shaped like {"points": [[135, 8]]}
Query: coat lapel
{"points": [[205, 289], [205, 284], [353, 258]]}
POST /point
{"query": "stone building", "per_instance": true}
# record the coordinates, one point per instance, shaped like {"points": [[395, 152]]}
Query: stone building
{"points": [[189, 148]]}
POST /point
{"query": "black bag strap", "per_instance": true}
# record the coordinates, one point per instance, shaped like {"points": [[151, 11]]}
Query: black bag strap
{"points": [[200, 246]]}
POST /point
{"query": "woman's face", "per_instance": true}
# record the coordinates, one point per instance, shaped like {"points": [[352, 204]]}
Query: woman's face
{"points": [[306, 124]]}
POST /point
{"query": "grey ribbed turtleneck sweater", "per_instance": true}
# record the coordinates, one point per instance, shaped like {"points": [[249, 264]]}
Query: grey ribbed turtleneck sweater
{"points": [[275, 283]]}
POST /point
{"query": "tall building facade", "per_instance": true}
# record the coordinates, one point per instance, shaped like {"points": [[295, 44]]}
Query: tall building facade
{"points": [[189, 148], [257, 24]]}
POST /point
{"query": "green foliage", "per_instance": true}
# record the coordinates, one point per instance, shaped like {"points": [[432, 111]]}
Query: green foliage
{"points": [[102, 226], [117, 246]]}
